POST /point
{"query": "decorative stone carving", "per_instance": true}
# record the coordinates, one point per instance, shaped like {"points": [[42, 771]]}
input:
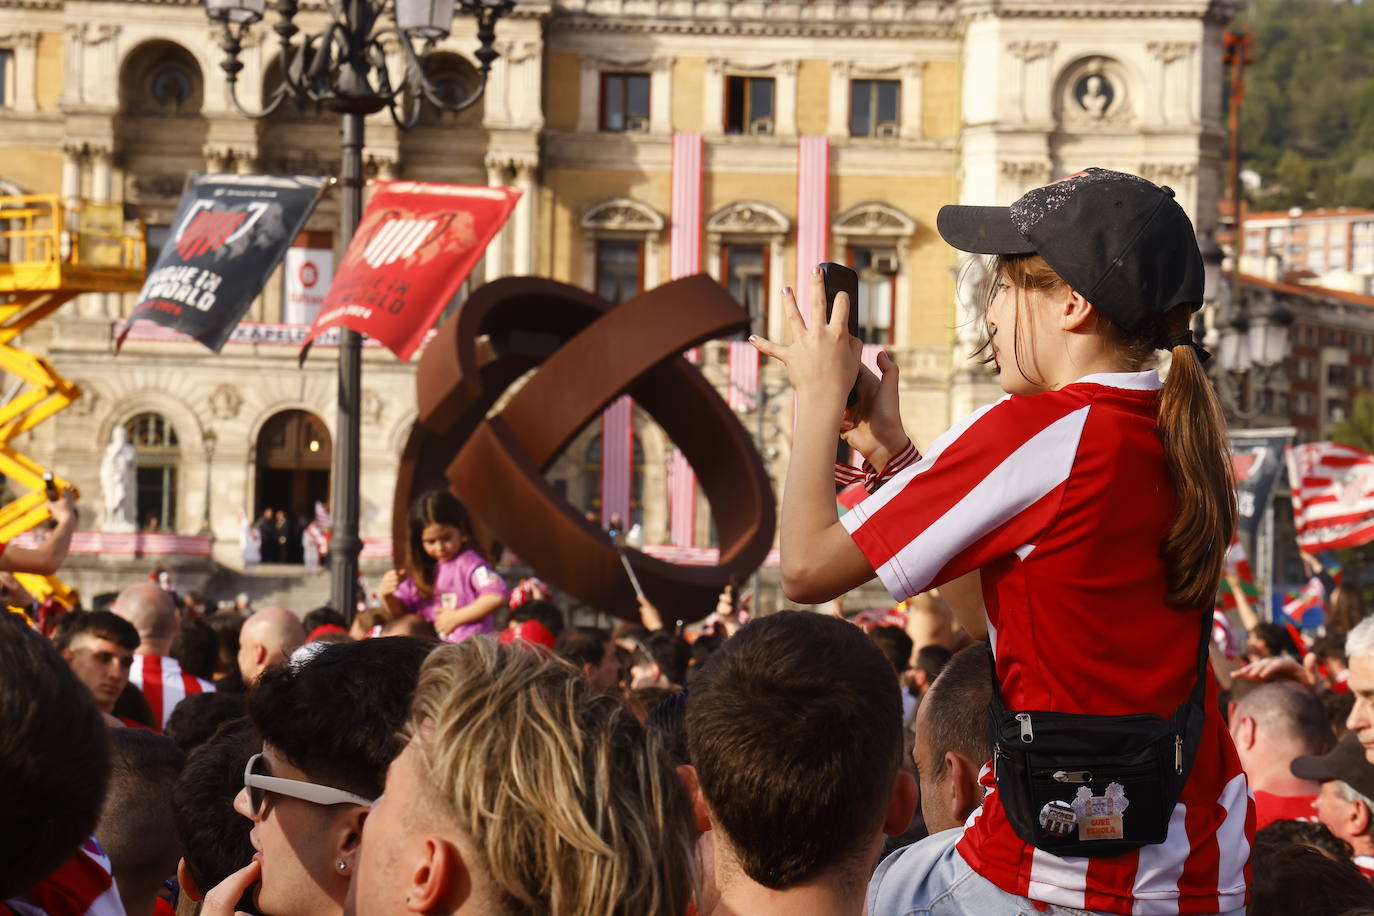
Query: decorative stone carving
{"points": [[165, 184], [874, 219], [92, 34], [373, 407], [1094, 93], [1170, 51], [225, 402], [85, 405], [1026, 172], [623, 215], [1031, 50], [750, 217]]}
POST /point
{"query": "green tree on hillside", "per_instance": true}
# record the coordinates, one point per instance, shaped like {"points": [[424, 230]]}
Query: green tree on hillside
{"points": [[1307, 126]]}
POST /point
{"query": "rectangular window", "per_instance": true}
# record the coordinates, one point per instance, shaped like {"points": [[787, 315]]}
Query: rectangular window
{"points": [[744, 272], [6, 78], [619, 269], [1335, 410], [625, 102], [1336, 376], [749, 105], [1359, 376], [875, 108], [1304, 367], [1303, 404], [877, 269]]}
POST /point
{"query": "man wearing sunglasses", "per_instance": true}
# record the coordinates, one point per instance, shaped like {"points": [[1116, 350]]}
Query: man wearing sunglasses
{"points": [[329, 730]]}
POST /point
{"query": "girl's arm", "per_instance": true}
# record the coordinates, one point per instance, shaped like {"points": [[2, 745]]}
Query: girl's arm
{"points": [[484, 605], [819, 558], [394, 604]]}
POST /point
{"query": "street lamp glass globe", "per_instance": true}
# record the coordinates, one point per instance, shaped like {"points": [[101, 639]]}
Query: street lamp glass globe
{"points": [[1233, 354], [235, 11], [425, 18]]}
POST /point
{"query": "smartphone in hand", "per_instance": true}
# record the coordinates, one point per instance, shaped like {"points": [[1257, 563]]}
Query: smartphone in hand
{"points": [[836, 279], [49, 486]]}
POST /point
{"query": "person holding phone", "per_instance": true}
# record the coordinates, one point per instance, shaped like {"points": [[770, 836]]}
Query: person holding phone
{"points": [[1090, 509], [47, 558]]}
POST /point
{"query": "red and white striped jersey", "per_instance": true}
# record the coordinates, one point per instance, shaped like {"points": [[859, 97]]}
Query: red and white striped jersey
{"points": [[82, 886], [1366, 866], [1062, 500], [164, 684]]}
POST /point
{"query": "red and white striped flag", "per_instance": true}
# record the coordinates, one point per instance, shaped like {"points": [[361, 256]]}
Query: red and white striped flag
{"points": [[685, 242], [744, 375], [1333, 495], [322, 517], [813, 209], [617, 459], [682, 500]]}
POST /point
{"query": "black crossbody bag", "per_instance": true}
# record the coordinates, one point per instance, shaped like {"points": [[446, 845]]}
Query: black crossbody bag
{"points": [[1084, 785]]}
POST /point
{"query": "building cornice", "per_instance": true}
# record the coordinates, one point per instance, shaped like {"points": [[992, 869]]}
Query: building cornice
{"points": [[772, 18], [1219, 11]]}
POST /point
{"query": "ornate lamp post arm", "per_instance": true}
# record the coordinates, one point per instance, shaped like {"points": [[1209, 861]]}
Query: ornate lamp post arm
{"points": [[343, 66]]}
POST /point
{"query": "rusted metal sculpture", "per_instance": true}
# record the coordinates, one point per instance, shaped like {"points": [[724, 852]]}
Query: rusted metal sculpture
{"points": [[587, 353]]}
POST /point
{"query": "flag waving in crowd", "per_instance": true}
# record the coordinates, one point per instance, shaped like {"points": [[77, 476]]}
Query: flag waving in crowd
{"points": [[1333, 495]]}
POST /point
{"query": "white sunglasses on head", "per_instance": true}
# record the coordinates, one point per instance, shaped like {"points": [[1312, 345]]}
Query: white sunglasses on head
{"points": [[259, 784]]}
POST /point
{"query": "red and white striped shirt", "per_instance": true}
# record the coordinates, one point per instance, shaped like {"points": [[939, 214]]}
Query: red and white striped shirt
{"points": [[1062, 500], [164, 684], [82, 886], [1366, 866]]}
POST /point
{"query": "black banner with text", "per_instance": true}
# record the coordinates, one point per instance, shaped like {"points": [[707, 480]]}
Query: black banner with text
{"points": [[229, 234]]}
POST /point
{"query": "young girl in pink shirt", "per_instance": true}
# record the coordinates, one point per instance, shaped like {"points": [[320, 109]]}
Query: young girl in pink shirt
{"points": [[446, 579]]}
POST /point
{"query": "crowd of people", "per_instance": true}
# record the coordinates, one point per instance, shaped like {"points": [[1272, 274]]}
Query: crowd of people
{"points": [[1060, 726]]}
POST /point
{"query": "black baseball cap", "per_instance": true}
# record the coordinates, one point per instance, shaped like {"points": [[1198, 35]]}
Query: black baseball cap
{"points": [[1345, 762], [1122, 242]]}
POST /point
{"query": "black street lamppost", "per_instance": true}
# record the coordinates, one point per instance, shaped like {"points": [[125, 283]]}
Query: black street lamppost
{"points": [[343, 67], [1251, 339]]}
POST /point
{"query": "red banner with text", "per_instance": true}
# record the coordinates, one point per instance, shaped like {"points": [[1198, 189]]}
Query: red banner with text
{"points": [[415, 246]]}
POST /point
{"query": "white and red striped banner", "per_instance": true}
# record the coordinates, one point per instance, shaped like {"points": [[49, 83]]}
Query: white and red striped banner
{"points": [[135, 543], [685, 259], [813, 210], [682, 500], [744, 375], [1333, 495], [617, 459]]}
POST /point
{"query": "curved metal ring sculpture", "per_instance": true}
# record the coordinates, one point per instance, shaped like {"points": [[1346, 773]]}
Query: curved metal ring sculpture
{"points": [[585, 353]]}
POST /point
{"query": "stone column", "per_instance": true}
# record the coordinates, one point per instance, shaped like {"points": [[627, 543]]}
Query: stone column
{"points": [[102, 174], [525, 238], [495, 264]]}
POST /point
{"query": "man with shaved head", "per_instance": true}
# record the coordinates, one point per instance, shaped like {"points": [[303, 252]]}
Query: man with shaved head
{"points": [[268, 638], [155, 672]]}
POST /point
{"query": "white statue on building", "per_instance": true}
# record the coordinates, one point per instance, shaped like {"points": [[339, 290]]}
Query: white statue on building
{"points": [[118, 483]]}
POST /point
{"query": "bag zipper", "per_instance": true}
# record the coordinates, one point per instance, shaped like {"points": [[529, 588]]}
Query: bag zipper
{"points": [[1178, 754], [1027, 733], [1072, 776]]}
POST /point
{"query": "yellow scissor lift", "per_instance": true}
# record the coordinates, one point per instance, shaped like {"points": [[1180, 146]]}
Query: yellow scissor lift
{"points": [[50, 252]]}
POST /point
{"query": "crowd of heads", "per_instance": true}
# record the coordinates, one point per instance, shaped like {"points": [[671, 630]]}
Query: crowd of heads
{"points": [[366, 767]]}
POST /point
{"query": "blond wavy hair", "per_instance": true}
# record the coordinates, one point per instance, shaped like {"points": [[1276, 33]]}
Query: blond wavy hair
{"points": [[570, 803]]}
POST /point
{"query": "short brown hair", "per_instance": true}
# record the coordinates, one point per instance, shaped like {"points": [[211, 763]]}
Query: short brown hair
{"points": [[956, 715], [795, 729], [101, 625]]}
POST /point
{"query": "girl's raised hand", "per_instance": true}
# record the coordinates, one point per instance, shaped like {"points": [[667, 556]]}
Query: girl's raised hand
{"points": [[873, 426], [391, 580], [823, 358]]}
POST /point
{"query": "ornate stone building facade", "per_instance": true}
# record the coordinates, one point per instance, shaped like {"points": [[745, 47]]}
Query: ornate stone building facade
{"points": [[920, 102]]}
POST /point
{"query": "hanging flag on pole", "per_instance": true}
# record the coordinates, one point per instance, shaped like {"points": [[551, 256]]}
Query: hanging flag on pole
{"points": [[228, 235], [617, 460], [813, 209], [1333, 495], [415, 246], [682, 500], [1305, 609], [744, 375], [1237, 565]]}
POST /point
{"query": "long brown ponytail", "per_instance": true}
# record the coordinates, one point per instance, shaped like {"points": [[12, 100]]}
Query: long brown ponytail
{"points": [[1193, 430]]}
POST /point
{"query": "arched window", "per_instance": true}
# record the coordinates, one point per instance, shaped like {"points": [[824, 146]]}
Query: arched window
{"points": [[157, 455], [591, 481], [455, 79], [162, 79]]}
